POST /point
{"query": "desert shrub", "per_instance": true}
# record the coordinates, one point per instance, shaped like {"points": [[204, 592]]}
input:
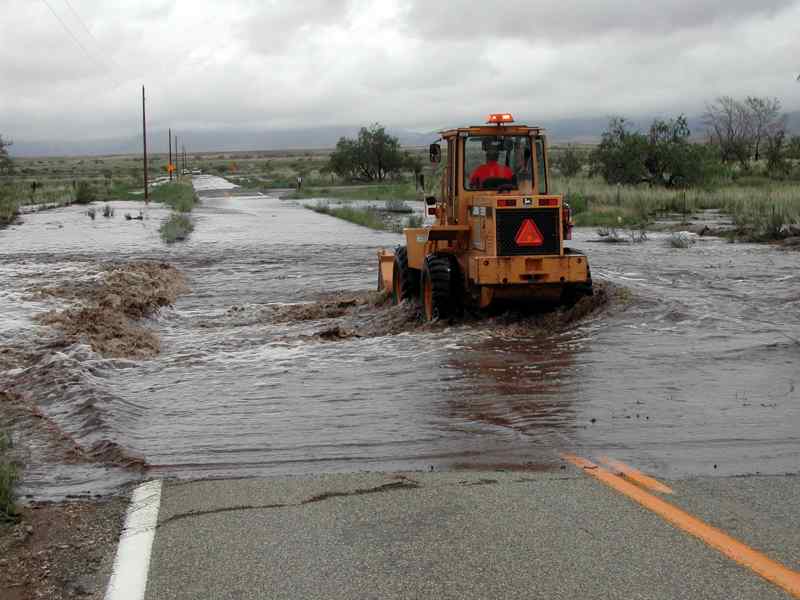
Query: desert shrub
{"points": [[9, 206], [179, 196], [176, 228], [85, 193]]}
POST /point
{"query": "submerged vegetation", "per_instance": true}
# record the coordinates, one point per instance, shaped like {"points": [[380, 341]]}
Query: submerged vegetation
{"points": [[367, 217], [182, 198], [176, 228]]}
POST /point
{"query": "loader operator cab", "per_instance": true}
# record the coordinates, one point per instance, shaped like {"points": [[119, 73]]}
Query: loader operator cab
{"points": [[500, 163]]}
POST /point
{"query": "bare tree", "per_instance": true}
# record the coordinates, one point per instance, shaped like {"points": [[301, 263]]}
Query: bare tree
{"points": [[730, 127], [765, 120], [740, 128]]}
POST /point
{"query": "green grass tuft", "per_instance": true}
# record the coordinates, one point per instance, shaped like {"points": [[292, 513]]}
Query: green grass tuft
{"points": [[385, 191]]}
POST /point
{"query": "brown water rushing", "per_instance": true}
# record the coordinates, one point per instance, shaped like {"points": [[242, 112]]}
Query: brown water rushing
{"points": [[281, 361]]}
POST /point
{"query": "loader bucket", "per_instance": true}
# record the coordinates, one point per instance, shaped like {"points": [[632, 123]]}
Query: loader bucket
{"points": [[385, 270]]}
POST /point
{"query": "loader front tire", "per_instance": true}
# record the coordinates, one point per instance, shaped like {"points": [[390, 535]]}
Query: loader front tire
{"points": [[405, 280], [438, 284]]}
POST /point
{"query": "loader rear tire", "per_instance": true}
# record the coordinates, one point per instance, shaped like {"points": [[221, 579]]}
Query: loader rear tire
{"points": [[405, 280], [438, 287], [573, 292]]}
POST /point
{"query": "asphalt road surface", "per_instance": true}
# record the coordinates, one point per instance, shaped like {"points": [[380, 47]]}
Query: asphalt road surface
{"points": [[557, 534]]}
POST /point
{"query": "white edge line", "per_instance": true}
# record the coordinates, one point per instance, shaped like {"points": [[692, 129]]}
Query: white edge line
{"points": [[132, 563]]}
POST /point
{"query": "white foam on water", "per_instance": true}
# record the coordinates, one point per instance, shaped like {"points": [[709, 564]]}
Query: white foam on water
{"points": [[204, 183]]}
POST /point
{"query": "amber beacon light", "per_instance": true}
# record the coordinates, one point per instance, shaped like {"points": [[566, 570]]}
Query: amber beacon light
{"points": [[500, 118]]}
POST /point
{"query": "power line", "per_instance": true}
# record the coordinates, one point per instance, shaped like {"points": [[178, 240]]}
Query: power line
{"points": [[86, 29], [74, 37], [81, 21]]}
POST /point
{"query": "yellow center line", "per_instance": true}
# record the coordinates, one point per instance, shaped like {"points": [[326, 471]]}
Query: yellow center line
{"points": [[636, 475], [754, 560]]}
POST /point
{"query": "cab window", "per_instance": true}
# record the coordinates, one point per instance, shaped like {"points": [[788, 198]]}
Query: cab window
{"points": [[497, 163]]}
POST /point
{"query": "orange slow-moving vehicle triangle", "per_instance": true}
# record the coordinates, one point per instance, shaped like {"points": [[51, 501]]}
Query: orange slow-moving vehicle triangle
{"points": [[528, 234]]}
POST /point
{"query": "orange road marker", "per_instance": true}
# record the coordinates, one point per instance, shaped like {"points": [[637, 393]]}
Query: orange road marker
{"points": [[636, 475], [771, 570]]}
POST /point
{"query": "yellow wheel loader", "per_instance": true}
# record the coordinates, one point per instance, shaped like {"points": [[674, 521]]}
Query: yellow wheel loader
{"points": [[498, 233]]}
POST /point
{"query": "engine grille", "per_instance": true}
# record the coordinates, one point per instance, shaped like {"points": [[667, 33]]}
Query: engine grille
{"points": [[509, 222]]}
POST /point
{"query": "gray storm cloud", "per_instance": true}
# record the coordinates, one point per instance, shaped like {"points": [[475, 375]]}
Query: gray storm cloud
{"points": [[252, 64], [563, 21]]}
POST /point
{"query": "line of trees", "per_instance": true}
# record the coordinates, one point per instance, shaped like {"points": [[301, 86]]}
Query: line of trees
{"points": [[372, 156], [739, 132], [663, 156]]}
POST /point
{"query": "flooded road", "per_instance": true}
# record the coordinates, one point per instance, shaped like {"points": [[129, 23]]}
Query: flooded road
{"points": [[691, 367]]}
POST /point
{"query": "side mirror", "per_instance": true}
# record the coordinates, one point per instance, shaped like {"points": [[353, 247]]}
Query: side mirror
{"points": [[436, 153], [430, 200]]}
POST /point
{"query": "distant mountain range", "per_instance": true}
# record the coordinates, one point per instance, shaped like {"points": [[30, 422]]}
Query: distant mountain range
{"points": [[581, 130]]}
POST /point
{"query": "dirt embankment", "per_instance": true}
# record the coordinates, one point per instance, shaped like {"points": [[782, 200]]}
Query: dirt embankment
{"points": [[60, 551], [108, 311]]}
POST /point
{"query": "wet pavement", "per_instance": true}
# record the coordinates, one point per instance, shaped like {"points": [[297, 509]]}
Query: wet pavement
{"points": [[691, 368], [461, 535]]}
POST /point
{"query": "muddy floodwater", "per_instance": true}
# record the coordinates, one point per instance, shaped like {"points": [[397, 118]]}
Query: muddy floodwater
{"points": [[275, 362]]}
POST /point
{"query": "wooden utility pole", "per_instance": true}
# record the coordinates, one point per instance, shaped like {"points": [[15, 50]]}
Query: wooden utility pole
{"points": [[178, 175], [169, 164], [144, 145]]}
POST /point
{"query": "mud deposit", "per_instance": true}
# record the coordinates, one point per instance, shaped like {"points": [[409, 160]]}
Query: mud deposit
{"points": [[110, 309], [279, 360]]}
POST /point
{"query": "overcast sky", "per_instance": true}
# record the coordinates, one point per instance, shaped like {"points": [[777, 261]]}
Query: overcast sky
{"points": [[417, 64]]}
